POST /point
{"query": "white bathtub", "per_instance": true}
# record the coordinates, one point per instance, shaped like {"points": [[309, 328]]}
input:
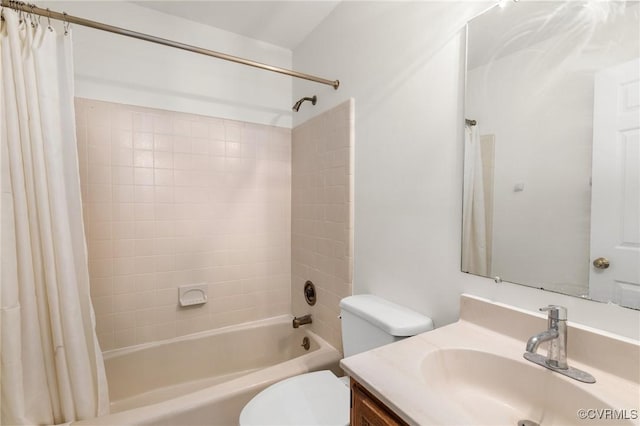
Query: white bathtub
{"points": [[206, 378]]}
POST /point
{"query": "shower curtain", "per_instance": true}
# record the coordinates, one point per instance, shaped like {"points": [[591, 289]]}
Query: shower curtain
{"points": [[474, 242], [52, 369]]}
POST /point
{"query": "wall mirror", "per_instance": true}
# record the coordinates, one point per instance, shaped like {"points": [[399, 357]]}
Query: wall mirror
{"points": [[552, 148]]}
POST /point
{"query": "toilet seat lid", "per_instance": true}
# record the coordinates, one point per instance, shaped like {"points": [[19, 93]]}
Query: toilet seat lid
{"points": [[317, 398]]}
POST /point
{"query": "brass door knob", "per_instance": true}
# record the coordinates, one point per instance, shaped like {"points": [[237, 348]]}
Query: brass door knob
{"points": [[601, 263]]}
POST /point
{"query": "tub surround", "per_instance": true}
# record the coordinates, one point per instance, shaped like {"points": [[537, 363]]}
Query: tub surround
{"points": [[171, 199], [473, 372], [322, 216]]}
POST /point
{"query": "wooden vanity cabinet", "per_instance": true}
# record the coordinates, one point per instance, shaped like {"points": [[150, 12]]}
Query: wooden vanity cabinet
{"points": [[367, 410]]}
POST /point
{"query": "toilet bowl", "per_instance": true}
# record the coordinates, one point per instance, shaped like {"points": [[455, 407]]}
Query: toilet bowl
{"points": [[321, 398]]}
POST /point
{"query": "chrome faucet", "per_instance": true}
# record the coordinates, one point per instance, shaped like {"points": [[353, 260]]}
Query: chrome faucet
{"points": [[298, 321], [556, 335]]}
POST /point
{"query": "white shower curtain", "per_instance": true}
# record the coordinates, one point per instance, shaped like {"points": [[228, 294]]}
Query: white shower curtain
{"points": [[52, 368], [474, 241]]}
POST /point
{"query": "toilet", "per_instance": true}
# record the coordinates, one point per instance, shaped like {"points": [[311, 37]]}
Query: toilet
{"points": [[321, 398]]}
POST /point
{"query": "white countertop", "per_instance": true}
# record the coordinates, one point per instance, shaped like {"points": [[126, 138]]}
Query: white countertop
{"points": [[399, 374]]}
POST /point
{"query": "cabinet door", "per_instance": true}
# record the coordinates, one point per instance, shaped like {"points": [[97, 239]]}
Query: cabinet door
{"points": [[366, 410]]}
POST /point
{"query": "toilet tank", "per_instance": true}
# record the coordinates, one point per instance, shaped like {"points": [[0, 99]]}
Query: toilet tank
{"points": [[369, 321]]}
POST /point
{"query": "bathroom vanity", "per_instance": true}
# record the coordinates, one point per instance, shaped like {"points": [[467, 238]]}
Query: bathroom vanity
{"points": [[367, 410], [474, 372]]}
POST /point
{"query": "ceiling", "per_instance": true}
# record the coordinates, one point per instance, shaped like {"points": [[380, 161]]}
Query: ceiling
{"points": [[283, 23]]}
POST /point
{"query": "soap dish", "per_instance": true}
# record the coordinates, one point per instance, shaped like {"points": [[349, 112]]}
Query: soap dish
{"points": [[192, 294]]}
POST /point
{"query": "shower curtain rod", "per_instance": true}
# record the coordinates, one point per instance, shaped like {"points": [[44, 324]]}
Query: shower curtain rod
{"points": [[34, 10]]}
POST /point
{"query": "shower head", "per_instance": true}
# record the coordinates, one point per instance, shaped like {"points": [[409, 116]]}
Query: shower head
{"points": [[296, 106]]}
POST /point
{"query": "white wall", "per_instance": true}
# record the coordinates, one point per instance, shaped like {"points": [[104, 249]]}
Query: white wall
{"points": [[119, 69], [403, 64]]}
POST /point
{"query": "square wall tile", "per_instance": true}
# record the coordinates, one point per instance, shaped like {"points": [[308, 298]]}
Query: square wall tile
{"points": [[173, 199], [322, 228]]}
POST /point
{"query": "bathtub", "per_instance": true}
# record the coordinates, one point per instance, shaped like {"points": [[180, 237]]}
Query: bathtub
{"points": [[206, 378]]}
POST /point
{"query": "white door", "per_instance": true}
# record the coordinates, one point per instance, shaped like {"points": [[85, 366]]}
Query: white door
{"points": [[615, 200]]}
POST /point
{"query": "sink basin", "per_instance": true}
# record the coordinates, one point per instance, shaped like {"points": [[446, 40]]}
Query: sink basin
{"points": [[472, 372], [493, 389]]}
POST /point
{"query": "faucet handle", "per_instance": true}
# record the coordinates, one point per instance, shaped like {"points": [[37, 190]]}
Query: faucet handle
{"points": [[556, 312]]}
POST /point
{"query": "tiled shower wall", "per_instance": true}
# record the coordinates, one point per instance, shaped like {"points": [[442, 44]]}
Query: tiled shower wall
{"points": [[172, 199], [322, 216]]}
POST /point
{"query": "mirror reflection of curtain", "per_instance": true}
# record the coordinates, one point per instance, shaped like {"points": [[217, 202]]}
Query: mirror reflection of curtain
{"points": [[474, 239], [52, 367]]}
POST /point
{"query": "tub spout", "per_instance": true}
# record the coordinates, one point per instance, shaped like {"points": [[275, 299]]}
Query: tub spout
{"points": [[298, 321]]}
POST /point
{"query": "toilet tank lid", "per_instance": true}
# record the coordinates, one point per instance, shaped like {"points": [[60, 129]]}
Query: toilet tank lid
{"points": [[392, 318]]}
